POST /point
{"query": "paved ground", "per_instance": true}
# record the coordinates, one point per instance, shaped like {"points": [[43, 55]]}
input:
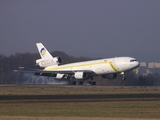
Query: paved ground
{"points": [[80, 98]]}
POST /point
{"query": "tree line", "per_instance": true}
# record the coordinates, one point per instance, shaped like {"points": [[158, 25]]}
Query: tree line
{"points": [[11, 63]]}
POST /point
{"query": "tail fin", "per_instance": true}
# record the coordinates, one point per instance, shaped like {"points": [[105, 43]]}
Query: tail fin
{"points": [[43, 51], [46, 58]]}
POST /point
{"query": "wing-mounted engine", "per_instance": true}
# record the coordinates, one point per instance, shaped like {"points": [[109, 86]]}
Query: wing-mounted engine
{"points": [[59, 76], [80, 75], [109, 76], [45, 62], [54, 75], [62, 76]]}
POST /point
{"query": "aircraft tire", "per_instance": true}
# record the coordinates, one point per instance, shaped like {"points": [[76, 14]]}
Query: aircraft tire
{"points": [[80, 82], [72, 82], [92, 82]]}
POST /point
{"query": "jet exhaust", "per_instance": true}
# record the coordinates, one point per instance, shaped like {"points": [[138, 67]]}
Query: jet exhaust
{"points": [[29, 78]]}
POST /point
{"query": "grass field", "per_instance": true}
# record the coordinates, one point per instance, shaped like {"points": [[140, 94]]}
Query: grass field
{"points": [[61, 90], [82, 110], [123, 109]]}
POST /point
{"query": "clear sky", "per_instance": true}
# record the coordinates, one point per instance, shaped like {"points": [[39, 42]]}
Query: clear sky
{"points": [[89, 28]]}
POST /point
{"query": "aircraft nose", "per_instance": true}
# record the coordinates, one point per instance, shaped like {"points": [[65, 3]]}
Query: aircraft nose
{"points": [[134, 65], [137, 65]]}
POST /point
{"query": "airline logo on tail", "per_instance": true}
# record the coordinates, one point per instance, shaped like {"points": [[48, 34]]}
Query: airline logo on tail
{"points": [[43, 52], [46, 58]]}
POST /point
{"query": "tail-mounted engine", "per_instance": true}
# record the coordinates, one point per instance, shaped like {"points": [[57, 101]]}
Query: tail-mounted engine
{"points": [[45, 62]]}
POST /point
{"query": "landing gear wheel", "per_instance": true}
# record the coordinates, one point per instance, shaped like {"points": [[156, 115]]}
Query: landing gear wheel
{"points": [[80, 82], [92, 82], [123, 78], [72, 82]]}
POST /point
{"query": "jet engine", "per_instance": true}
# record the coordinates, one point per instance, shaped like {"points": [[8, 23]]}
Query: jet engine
{"points": [[48, 61], [80, 75], [59, 76], [109, 76]]}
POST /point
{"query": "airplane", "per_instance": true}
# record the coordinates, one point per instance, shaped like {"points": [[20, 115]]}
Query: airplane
{"points": [[106, 68]]}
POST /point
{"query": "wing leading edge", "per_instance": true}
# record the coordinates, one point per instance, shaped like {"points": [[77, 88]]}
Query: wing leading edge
{"points": [[55, 73]]}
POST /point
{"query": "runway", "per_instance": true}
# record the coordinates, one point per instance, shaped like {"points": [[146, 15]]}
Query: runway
{"points": [[81, 98]]}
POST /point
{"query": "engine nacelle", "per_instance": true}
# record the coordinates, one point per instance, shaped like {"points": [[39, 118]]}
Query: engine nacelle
{"points": [[48, 61], [80, 75], [109, 76], [59, 76]]}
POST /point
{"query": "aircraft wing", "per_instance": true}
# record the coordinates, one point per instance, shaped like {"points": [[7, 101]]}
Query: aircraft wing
{"points": [[23, 69], [40, 71], [58, 74]]}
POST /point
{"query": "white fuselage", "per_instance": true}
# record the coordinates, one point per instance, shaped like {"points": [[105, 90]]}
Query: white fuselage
{"points": [[99, 67]]}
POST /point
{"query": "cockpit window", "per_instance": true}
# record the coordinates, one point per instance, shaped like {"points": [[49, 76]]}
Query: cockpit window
{"points": [[133, 60]]}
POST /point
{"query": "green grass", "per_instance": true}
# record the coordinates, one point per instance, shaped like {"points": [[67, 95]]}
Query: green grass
{"points": [[32, 109], [119, 109]]}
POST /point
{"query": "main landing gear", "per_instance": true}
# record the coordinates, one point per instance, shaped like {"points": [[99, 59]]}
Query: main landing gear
{"points": [[91, 82], [80, 82]]}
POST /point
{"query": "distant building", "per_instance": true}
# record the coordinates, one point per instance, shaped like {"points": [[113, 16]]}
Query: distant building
{"points": [[144, 64], [157, 65], [151, 65], [154, 65], [147, 68]]}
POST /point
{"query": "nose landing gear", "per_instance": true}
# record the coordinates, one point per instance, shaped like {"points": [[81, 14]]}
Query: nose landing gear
{"points": [[123, 76]]}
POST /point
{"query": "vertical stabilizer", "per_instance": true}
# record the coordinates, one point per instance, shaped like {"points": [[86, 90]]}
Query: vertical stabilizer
{"points": [[43, 51]]}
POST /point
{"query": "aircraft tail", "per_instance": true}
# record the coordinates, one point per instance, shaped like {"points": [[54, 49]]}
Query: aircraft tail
{"points": [[43, 51], [46, 58]]}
